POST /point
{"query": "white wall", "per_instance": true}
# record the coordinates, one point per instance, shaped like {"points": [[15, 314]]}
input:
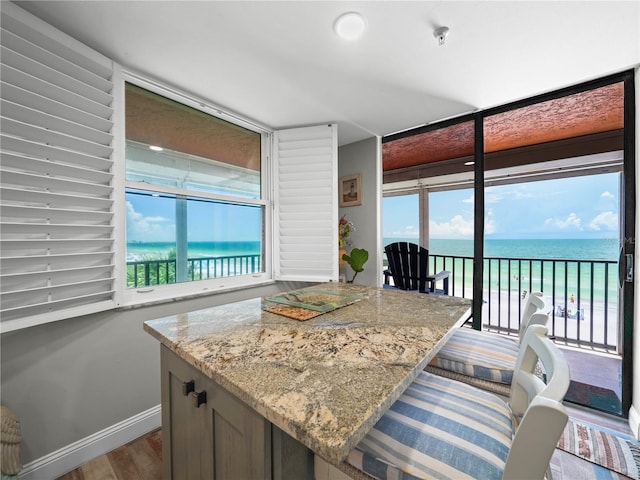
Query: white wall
{"points": [[365, 157], [70, 379]]}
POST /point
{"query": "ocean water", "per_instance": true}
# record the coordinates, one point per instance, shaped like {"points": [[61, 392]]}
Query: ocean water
{"points": [[593, 277], [569, 249], [585, 268], [138, 251]]}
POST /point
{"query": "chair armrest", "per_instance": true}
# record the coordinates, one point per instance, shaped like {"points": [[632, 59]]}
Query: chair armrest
{"points": [[440, 275]]}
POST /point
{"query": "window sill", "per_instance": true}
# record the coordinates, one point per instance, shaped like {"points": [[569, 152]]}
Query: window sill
{"points": [[160, 298]]}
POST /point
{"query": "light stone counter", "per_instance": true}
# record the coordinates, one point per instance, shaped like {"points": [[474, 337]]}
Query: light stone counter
{"points": [[324, 381]]}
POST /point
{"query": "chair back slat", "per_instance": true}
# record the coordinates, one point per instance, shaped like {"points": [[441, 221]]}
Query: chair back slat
{"points": [[540, 401], [408, 264]]}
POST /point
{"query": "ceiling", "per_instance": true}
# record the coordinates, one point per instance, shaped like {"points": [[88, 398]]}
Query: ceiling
{"points": [[281, 65]]}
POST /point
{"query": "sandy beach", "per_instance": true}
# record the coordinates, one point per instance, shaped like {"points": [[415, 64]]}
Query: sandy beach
{"points": [[593, 324]]}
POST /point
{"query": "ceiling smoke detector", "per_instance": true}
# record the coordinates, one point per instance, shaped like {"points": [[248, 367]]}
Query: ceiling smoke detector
{"points": [[441, 34]]}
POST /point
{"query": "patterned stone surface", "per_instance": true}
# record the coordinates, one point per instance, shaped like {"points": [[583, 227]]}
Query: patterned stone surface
{"points": [[324, 381]]}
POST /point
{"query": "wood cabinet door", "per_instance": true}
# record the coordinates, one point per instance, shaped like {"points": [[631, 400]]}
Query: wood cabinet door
{"points": [[221, 438], [187, 432], [241, 438]]}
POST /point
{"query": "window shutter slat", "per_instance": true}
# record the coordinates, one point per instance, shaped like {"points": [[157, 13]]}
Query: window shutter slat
{"points": [[56, 195], [55, 200], [45, 120], [18, 162], [35, 133], [39, 263], [44, 88], [53, 75], [40, 33], [54, 215], [20, 146], [28, 180], [28, 99], [306, 204], [45, 57]]}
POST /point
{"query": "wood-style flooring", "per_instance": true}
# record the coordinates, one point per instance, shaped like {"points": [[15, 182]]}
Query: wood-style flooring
{"points": [[140, 459]]}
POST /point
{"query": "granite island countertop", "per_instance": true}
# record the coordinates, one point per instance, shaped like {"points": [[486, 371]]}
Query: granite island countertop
{"points": [[324, 381]]}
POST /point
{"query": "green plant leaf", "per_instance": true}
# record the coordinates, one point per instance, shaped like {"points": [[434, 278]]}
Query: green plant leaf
{"points": [[356, 259]]}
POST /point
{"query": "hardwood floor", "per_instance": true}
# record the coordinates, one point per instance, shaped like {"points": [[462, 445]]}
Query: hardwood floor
{"points": [[138, 460]]}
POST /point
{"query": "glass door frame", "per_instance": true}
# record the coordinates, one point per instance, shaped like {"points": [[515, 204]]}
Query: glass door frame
{"points": [[628, 209]]}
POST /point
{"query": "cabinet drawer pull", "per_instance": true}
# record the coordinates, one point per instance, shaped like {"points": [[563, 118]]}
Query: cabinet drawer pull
{"points": [[199, 398], [188, 387]]}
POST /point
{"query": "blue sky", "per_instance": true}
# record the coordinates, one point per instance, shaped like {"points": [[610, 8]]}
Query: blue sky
{"points": [[578, 207], [152, 219]]}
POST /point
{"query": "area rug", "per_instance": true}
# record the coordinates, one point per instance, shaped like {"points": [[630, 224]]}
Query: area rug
{"points": [[591, 396], [612, 450]]}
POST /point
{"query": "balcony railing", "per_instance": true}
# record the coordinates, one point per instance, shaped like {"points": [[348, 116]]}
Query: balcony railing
{"points": [[584, 294], [145, 273]]}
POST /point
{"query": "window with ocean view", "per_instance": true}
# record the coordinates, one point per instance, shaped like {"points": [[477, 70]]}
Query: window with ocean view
{"points": [[559, 236], [194, 206]]}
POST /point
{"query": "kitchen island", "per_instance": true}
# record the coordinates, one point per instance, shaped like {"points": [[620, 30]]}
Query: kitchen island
{"points": [[301, 386]]}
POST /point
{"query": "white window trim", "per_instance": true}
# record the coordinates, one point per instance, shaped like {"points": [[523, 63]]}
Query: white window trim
{"points": [[161, 293]]}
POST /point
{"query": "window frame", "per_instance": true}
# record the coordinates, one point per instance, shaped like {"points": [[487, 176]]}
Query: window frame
{"points": [[176, 291]]}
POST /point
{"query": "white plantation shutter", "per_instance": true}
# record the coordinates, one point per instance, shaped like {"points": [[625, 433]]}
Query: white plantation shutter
{"points": [[306, 208], [56, 197]]}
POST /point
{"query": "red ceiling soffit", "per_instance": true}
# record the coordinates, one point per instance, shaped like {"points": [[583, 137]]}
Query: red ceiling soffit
{"points": [[585, 113]]}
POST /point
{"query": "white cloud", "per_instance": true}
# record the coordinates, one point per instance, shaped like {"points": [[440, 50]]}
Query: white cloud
{"points": [[156, 219], [409, 231], [520, 195], [456, 227], [489, 222], [607, 194], [468, 200], [490, 197], [604, 221], [572, 222], [149, 229]]}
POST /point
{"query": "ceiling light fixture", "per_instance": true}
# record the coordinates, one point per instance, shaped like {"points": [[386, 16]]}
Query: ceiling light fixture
{"points": [[441, 34], [155, 148], [350, 26]]}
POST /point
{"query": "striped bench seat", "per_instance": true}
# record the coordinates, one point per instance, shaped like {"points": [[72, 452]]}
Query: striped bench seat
{"points": [[484, 359], [438, 428], [482, 355]]}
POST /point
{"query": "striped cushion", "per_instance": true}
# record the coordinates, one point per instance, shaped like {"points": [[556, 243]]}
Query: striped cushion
{"points": [[479, 354], [438, 428]]}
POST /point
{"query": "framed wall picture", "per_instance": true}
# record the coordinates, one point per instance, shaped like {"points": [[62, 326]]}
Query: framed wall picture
{"points": [[350, 190]]}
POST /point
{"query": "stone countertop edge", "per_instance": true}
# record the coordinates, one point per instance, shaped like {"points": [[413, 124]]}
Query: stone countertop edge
{"points": [[298, 374]]}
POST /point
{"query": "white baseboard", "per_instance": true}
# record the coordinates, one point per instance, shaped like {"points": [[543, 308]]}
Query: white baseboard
{"points": [[72, 456], [634, 422]]}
